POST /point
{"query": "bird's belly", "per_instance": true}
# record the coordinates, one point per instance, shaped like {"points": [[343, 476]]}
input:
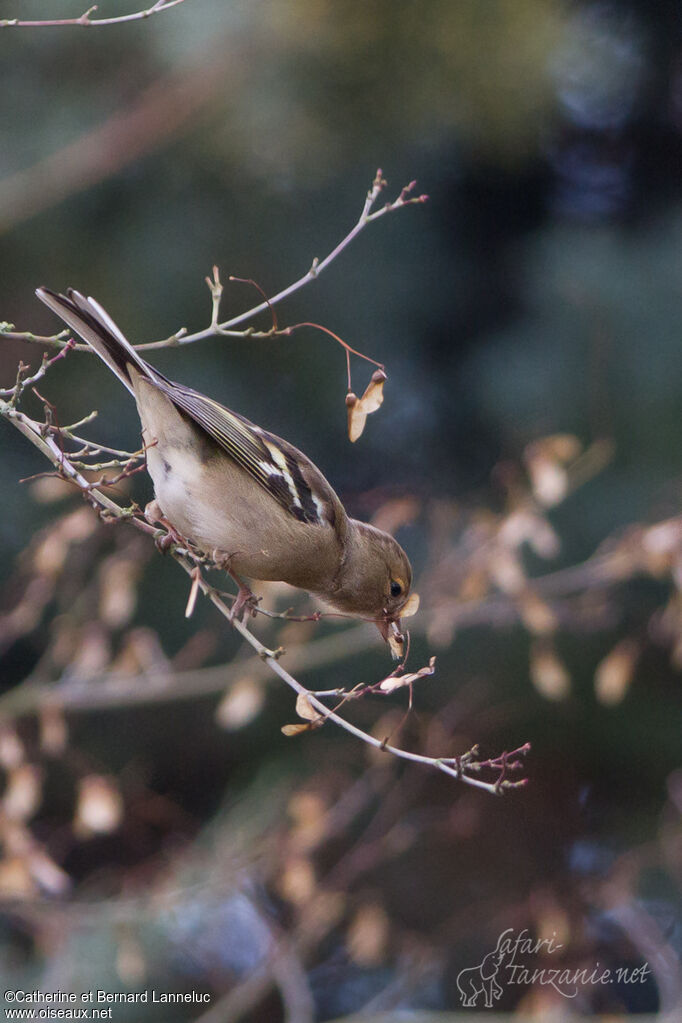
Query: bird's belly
{"points": [[177, 476], [211, 503]]}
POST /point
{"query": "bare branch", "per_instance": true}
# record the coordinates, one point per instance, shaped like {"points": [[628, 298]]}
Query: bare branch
{"points": [[366, 217], [181, 337], [85, 21]]}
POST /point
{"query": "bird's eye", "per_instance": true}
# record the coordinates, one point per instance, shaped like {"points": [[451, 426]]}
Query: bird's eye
{"points": [[396, 588]]}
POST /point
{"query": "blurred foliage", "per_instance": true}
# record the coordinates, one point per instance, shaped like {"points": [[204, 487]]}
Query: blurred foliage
{"points": [[536, 294]]}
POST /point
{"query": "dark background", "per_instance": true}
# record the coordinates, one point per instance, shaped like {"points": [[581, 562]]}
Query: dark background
{"points": [[537, 292]]}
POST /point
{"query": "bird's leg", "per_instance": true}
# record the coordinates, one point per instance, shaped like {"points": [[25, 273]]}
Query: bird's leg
{"points": [[246, 601], [155, 516]]}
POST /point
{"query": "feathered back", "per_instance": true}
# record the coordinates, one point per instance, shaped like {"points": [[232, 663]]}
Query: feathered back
{"points": [[283, 471]]}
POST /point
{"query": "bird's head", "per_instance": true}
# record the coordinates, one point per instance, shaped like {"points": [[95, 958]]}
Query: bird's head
{"points": [[375, 582]]}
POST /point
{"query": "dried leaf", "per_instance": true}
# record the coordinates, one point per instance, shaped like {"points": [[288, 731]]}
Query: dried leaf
{"points": [[543, 539], [296, 729], [360, 408], [240, 705], [308, 812], [615, 672], [11, 748], [506, 571], [99, 809], [663, 538], [93, 652], [394, 682], [546, 460], [368, 935], [396, 643], [661, 546], [50, 555], [551, 918], [373, 398], [297, 881], [16, 881], [475, 585], [563, 447], [49, 489], [396, 513], [118, 595], [356, 417], [411, 606], [141, 652], [23, 792], [305, 709], [547, 671], [53, 729], [526, 526], [536, 614], [549, 480]]}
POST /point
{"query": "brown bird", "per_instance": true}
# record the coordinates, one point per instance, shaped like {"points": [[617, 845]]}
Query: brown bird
{"points": [[246, 498]]}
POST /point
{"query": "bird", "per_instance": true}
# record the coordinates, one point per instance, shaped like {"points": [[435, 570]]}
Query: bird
{"points": [[245, 498]]}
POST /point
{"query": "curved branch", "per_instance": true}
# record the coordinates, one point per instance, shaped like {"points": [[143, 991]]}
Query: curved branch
{"points": [[462, 768], [181, 337]]}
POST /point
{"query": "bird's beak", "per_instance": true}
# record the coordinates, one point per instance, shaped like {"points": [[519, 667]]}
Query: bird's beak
{"points": [[391, 633]]}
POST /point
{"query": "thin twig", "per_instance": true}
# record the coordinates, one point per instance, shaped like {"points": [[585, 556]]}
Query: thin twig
{"points": [[181, 337], [85, 21], [366, 217]]}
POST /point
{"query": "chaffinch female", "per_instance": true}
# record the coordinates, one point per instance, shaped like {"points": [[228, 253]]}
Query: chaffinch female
{"points": [[248, 499]]}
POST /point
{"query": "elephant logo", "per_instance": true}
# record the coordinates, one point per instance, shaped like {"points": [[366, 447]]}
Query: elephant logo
{"points": [[481, 980]]}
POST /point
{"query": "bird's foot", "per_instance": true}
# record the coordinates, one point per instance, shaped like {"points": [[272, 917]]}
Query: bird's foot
{"points": [[152, 512], [164, 542], [245, 604]]}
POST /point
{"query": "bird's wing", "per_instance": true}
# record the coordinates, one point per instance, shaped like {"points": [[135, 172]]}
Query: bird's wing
{"points": [[283, 471], [286, 473]]}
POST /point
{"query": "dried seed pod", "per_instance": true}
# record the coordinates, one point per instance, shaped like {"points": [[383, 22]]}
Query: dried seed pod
{"points": [[368, 935], [99, 809], [615, 672], [305, 709], [240, 705], [548, 672], [536, 614], [23, 792], [411, 606], [54, 733], [360, 408]]}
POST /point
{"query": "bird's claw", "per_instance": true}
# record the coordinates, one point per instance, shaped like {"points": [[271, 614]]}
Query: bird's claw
{"points": [[163, 540], [245, 604]]}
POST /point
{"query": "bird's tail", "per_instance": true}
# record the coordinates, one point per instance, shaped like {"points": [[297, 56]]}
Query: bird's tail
{"points": [[87, 318]]}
